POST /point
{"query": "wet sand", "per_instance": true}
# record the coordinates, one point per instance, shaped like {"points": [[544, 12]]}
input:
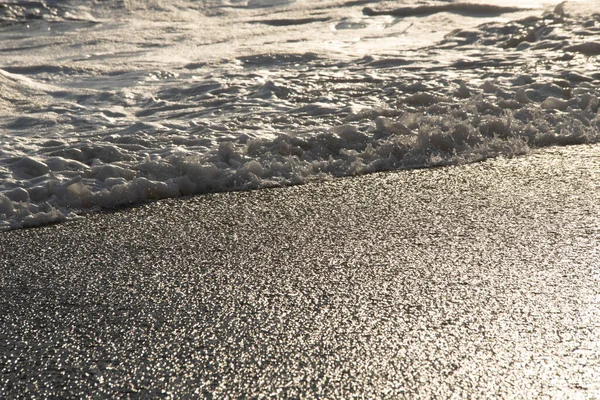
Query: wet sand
{"points": [[477, 281]]}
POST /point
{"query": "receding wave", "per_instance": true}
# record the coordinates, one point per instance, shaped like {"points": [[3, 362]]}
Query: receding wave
{"points": [[278, 119]]}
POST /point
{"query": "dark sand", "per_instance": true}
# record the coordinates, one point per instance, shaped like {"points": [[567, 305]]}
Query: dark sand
{"points": [[479, 280]]}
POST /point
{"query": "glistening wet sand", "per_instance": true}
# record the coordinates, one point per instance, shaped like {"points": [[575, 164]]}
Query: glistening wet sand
{"points": [[477, 280]]}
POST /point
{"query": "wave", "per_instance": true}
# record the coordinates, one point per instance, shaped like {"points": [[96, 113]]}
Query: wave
{"points": [[271, 120]]}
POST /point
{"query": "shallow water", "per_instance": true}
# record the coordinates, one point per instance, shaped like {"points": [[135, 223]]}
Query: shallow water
{"points": [[121, 102]]}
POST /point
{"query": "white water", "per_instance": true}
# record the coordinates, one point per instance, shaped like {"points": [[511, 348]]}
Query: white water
{"points": [[125, 101]]}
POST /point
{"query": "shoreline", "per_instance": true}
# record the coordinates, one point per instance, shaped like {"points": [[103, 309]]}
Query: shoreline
{"points": [[473, 280]]}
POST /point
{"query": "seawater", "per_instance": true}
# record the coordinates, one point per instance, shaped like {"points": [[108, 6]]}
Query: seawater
{"points": [[113, 102]]}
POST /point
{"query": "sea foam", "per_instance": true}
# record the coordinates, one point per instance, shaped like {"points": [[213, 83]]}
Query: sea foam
{"points": [[77, 138]]}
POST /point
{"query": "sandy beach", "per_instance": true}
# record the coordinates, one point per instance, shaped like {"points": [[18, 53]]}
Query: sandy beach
{"points": [[475, 281]]}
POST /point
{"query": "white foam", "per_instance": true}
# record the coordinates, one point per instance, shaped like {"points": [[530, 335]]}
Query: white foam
{"points": [[124, 126]]}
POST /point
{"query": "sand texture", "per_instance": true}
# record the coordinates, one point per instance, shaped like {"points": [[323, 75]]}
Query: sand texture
{"points": [[478, 281]]}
